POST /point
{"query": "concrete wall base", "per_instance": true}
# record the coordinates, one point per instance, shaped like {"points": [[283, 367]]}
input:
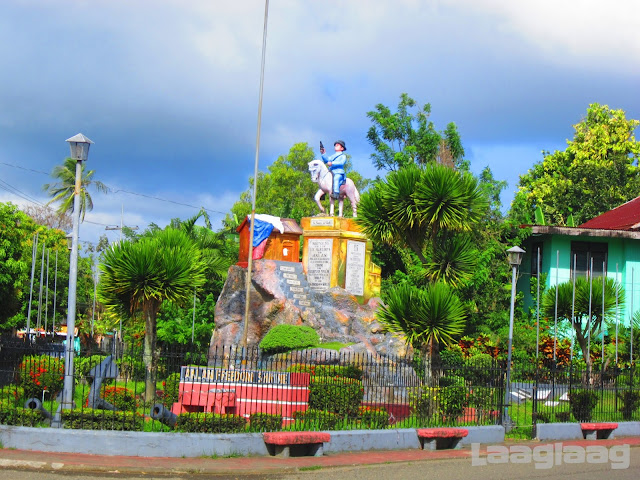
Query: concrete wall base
{"points": [[148, 444]]}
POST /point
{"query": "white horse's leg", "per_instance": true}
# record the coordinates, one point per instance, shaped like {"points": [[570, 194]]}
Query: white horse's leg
{"points": [[317, 198], [331, 205], [354, 206], [340, 205]]}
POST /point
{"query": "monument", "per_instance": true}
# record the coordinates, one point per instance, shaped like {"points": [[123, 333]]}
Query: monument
{"points": [[336, 253]]}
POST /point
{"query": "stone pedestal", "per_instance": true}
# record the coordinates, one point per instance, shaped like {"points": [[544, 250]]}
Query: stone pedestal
{"points": [[337, 254]]}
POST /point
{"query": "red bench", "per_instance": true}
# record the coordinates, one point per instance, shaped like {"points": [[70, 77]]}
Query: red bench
{"points": [[593, 431], [288, 444], [438, 438]]}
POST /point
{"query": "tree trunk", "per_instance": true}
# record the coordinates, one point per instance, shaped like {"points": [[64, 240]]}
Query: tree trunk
{"points": [[150, 354], [582, 341]]}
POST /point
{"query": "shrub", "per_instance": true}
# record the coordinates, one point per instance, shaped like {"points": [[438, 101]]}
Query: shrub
{"points": [[423, 401], [563, 417], [264, 422], [209, 423], [630, 400], [11, 394], [336, 394], [12, 415], [83, 365], [452, 397], [132, 368], [348, 371], [582, 403], [171, 389], [480, 369], [283, 338], [120, 397], [373, 417], [313, 419], [41, 372], [90, 419]]}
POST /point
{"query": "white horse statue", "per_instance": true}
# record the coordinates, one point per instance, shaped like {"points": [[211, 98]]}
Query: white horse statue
{"points": [[321, 175]]}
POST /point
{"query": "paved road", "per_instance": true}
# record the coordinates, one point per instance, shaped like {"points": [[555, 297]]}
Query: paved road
{"points": [[449, 469]]}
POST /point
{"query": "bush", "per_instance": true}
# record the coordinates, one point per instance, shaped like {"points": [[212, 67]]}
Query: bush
{"points": [[283, 338], [630, 400], [83, 365], [209, 423], [132, 368], [120, 397], [171, 389], [452, 397], [12, 415], [336, 394], [41, 372], [313, 419], [423, 401], [480, 369], [348, 371], [373, 417], [12, 394], [90, 419], [582, 404], [264, 422]]}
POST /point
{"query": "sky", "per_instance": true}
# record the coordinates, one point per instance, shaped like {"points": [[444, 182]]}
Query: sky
{"points": [[168, 89]]}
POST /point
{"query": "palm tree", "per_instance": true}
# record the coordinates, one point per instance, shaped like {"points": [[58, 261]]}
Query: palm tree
{"points": [[429, 210], [63, 191], [424, 209], [426, 317], [588, 301], [139, 276]]}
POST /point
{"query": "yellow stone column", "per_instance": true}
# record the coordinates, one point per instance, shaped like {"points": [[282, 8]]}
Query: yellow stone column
{"points": [[335, 252]]}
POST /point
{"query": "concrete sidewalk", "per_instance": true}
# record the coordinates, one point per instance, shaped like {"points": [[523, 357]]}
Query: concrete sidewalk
{"points": [[71, 462]]}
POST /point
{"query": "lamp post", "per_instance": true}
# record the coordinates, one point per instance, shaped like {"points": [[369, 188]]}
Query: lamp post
{"points": [[515, 258], [79, 145]]}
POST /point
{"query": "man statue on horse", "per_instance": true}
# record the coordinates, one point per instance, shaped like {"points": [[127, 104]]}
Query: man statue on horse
{"points": [[336, 165]]}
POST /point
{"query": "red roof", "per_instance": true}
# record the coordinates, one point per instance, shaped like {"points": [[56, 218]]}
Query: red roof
{"points": [[624, 217]]}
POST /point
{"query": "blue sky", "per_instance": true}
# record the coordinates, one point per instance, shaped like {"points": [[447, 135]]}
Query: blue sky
{"points": [[168, 89]]}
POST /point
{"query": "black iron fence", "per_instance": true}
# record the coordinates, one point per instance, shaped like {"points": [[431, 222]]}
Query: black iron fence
{"points": [[234, 389]]}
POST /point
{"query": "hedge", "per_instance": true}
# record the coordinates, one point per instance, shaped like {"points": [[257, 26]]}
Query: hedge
{"points": [[349, 371], [336, 394], [90, 419], [12, 415], [283, 338], [264, 422], [209, 423], [313, 419]]}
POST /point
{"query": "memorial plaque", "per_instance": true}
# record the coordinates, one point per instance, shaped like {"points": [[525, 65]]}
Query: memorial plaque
{"points": [[285, 268], [297, 289], [354, 275], [292, 276], [322, 222], [293, 282], [319, 263]]}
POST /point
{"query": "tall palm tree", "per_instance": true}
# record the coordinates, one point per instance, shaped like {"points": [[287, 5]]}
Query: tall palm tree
{"points": [[139, 276], [63, 190]]}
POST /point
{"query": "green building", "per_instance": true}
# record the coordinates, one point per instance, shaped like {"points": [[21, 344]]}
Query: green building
{"points": [[605, 245]]}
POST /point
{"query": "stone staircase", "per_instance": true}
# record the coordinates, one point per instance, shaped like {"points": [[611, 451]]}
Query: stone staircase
{"points": [[294, 284]]}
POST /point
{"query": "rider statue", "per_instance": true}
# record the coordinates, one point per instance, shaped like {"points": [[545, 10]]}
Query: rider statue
{"points": [[336, 165]]}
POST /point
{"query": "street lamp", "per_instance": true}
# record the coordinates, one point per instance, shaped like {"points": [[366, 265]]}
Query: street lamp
{"points": [[79, 145], [515, 258]]}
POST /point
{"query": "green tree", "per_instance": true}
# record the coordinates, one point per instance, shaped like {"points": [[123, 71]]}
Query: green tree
{"points": [[286, 190], [427, 317], [175, 324], [139, 276], [597, 172], [64, 189], [404, 137], [429, 210], [16, 246], [587, 309]]}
